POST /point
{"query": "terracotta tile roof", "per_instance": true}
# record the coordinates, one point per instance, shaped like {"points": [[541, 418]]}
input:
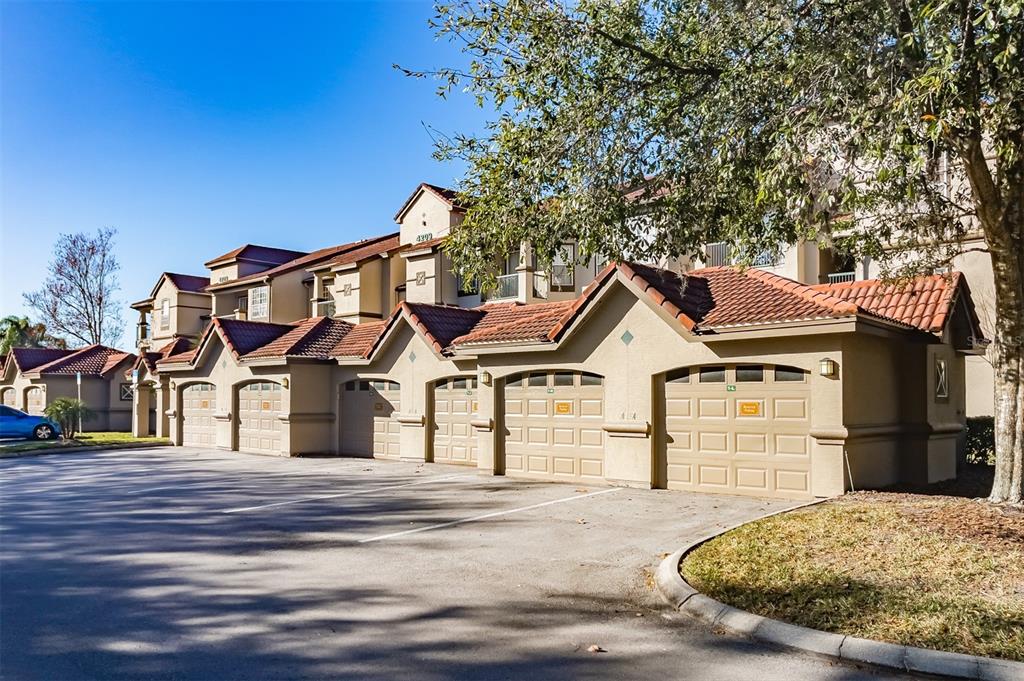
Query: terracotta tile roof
{"points": [[244, 336], [442, 324], [27, 359], [360, 339], [370, 247], [449, 196], [364, 247], [315, 338], [923, 302], [171, 349], [93, 360], [256, 253], [515, 322], [189, 283], [429, 243]]}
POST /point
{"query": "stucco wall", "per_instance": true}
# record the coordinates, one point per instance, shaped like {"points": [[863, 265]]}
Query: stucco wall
{"points": [[427, 218]]}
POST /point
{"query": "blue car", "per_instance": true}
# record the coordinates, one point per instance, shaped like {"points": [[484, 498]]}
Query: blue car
{"points": [[16, 423]]}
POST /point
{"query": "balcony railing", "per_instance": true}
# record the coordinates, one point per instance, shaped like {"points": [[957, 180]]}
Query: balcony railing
{"points": [[841, 277], [717, 255], [325, 308], [508, 286]]}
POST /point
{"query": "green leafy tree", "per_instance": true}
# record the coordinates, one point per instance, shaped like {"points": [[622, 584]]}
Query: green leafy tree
{"points": [[649, 128], [69, 414], [19, 332]]}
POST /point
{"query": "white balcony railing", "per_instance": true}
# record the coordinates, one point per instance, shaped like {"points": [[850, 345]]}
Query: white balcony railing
{"points": [[717, 255], [325, 308], [508, 286], [841, 277]]}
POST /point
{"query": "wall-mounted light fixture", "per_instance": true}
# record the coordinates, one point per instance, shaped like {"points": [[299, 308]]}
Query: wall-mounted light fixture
{"points": [[173, 385], [828, 367], [485, 378], [284, 382]]}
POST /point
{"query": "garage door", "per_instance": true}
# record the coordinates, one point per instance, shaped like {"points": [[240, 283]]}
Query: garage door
{"points": [[740, 429], [259, 428], [198, 404], [35, 401], [369, 424], [553, 426], [454, 406], [9, 397]]}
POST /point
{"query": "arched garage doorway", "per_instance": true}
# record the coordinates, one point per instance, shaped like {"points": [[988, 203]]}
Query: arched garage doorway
{"points": [[369, 423], [198, 405], [454, 405], [258, 428], [9, 397], [553, 424], [737, 429], [35, 400]]}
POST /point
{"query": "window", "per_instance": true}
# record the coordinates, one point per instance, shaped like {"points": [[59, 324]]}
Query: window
{"points": [[364, 385], [165, 314], [784, 374], [751, 373], [941, 378], [538, 380], [259, 298], [465, 287], [242, 304], [460, 384], [563, 268], [514, 381], [678, 376], [325, 287], [712, 374], [590, 379], [350, 385], [127, 392], [563, 379]]}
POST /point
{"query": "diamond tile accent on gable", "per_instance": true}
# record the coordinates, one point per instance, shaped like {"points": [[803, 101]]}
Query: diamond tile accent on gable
{"points": [[627, 338]]}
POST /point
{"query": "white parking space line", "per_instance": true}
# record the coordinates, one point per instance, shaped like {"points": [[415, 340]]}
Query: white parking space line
{"points": [[345, 494], [485, 516]]}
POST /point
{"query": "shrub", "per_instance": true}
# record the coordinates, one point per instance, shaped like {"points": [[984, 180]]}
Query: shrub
{"points": [[68, 413], [981, 440]]}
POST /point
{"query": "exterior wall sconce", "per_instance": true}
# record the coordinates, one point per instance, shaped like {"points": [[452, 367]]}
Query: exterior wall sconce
{"points": [[828, 367], [173, 385], [485, 377], [284, 382]]}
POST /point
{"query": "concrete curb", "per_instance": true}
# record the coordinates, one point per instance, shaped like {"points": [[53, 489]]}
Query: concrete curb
{"points": [[79, 450], [684, 598]]}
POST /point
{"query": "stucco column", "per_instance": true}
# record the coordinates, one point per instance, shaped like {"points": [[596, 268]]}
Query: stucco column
{"points": [[140, 411], [163, 403], [485, 418], [413, 419]]}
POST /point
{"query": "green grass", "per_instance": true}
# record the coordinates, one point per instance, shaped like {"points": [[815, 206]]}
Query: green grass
{"points": [[872, 569], [110, 440]]}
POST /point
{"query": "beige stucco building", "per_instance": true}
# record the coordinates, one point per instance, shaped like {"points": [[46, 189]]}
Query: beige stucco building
{"points": [[717, 379], [32, 378]]}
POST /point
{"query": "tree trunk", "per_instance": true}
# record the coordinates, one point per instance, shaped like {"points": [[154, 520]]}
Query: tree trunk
{"points": [[1008, 363]]}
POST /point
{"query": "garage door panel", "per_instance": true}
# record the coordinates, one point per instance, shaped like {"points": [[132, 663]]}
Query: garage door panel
{"points": [[792, 445], [198, 402], [737, 437], [259, 425], [368, 423], [553, 425], [790, 408]]}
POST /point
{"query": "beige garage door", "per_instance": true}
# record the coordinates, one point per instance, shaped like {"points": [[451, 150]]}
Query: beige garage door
{"points": [[198, 404], [454, 406], [10, 398], [259, 428], [369, 426], [553, 426], [740, 429], [35, 401]]}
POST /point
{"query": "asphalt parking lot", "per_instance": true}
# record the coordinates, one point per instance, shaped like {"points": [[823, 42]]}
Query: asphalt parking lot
{"points": [[177, 563]]}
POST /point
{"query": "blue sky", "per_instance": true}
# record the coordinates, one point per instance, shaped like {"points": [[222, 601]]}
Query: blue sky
{"points": [[192, 128]]}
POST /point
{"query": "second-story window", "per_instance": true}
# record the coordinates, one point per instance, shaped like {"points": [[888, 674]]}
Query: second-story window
{"points": [[165, 314], [258, 299], [563, 268], [466, 287]]}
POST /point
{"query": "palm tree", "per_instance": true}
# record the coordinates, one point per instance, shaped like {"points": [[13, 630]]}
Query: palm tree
{"points": [[19, 332]]}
